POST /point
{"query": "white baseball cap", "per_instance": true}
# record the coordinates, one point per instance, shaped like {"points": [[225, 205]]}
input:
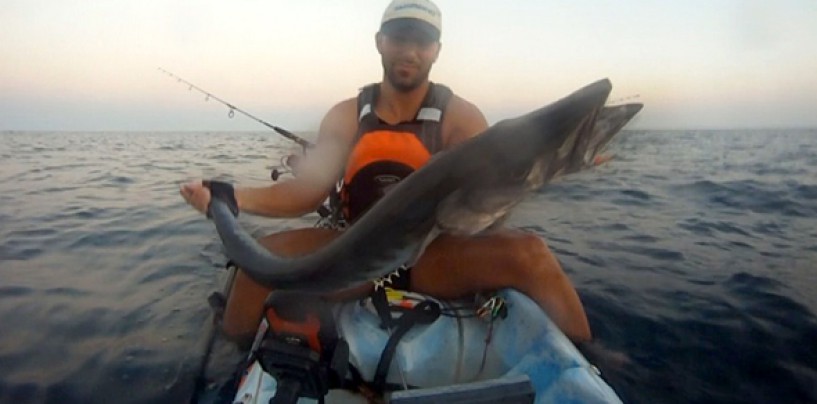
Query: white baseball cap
{"points": [[418, 14]]}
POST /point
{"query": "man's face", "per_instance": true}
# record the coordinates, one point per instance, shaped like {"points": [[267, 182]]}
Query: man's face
{"points": [[407, 56]]}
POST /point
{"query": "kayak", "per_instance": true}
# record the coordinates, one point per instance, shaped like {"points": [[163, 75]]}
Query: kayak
{"points": [[461, 357], [432, 351]]}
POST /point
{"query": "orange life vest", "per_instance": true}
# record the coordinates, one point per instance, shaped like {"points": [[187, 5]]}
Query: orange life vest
{"points": [[384, 154]]}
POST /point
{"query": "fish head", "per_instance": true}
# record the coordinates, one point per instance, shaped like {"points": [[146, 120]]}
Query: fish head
{"points": [[608, 123], [536, 147], [518, 155]]}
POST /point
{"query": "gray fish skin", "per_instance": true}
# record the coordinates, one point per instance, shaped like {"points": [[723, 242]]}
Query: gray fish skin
{"points": [[469, 211], [465, 189]]}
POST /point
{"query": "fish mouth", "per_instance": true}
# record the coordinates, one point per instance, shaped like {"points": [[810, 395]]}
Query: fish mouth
{"points": [[392, 231]]}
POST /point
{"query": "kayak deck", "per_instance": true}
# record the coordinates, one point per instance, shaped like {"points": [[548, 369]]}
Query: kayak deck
{"points": [[452, 354]]}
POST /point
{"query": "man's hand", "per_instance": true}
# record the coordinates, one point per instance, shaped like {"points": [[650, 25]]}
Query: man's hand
{"points": [[196, 194]]}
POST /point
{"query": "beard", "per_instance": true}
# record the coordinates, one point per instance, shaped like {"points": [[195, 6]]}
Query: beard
{"points": [[406, 84]]}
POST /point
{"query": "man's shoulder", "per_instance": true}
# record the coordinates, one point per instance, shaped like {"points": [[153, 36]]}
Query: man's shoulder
{"points": [[344, 106], [459, 106], [341, 120], [343, 112], [463, 120]]}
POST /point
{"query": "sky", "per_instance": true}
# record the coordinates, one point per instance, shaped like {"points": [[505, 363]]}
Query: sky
{"points": [[696, 64]]}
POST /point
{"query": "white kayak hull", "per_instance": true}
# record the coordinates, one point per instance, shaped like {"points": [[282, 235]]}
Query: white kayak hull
{"points": [[450, 351]]}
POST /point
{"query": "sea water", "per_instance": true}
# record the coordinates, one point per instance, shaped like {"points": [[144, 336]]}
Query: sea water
{"points": [[694, 252]]}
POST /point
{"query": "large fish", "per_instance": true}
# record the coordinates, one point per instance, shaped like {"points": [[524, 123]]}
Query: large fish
{"points": [[464, 190]]}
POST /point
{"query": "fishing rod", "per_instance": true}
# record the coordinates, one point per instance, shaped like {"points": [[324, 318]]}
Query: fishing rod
{"points": [[281, 131]]}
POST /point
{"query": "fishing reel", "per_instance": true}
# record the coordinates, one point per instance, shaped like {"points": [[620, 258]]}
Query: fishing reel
{"points": [[287, 165], [290, 162]]}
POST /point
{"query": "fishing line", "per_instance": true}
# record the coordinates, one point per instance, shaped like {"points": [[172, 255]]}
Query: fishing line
{"points": [[233, 109]]}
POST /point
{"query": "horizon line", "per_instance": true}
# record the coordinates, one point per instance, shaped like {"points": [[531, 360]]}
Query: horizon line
{"points": [[314, 131]]}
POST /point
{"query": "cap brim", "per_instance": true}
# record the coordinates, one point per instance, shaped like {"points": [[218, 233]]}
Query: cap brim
{"points": [[409, 26]]}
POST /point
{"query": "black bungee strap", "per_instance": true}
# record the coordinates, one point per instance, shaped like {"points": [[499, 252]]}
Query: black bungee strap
{"points": [[425, 312]]}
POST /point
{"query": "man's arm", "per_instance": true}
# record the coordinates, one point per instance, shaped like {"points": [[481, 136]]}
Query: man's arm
{"points": [[463, 120], [317, 173]]}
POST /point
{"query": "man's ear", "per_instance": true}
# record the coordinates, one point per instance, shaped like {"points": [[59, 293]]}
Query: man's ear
{"points": [[378, 40], [437, 53]]}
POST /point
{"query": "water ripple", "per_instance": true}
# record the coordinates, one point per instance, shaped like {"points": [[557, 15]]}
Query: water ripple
{"points": [[693, 253]]}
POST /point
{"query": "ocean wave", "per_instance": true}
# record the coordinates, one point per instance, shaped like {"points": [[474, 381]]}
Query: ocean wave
{"points": [[693, 253]]}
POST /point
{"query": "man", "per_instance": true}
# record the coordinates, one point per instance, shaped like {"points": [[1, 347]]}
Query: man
{"points": [[376, 139]]}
